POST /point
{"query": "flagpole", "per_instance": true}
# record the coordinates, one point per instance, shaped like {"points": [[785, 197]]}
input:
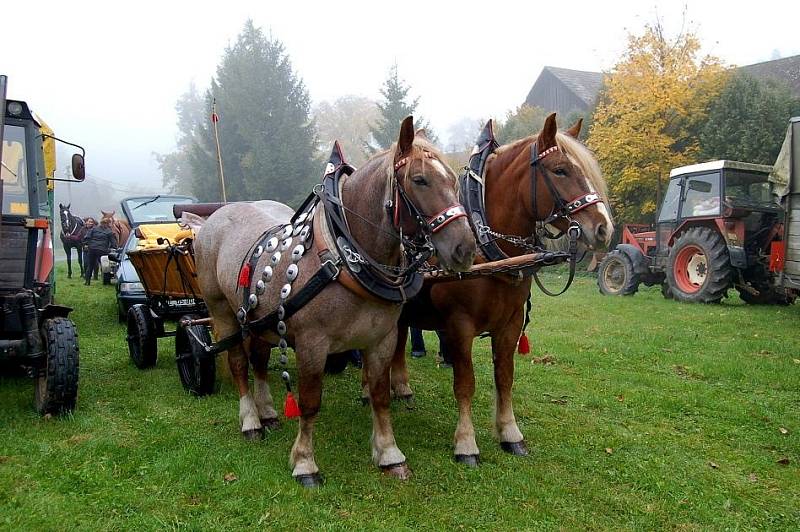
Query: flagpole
{"points": [[214, 120]]}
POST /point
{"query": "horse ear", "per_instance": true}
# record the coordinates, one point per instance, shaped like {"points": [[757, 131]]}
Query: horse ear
{"points": [[104, 213], [575, 130], [422, 133], [60, 207], [406, 139], [547, 138], [69, 205]]}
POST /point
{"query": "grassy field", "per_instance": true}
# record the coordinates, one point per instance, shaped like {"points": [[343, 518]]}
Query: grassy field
{"points": [[647, 414]]}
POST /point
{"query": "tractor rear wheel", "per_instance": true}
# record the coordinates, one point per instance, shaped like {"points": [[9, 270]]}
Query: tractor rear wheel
{"points": [[142, 341], [699, 268], [196, 368], [615, 275], [56, 386]]}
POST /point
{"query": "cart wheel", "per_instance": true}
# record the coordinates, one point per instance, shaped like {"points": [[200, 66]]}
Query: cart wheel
{"points": [[56, 386], [142, 344], [196, 368]]}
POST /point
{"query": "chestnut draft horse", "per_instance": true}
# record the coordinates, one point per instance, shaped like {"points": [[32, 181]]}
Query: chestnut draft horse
{"points": [[568, 188], [120, 228], [406, 191]]}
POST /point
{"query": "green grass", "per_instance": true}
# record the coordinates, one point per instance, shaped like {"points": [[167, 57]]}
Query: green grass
{"points": [[689, 400]]}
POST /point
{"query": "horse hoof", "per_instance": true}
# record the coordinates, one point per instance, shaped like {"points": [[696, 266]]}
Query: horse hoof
{"points": [[469, 460], [271, 424], [253, 434], [364, 401], [313, 480], [517, 448], [408, 400], [400, 471]]}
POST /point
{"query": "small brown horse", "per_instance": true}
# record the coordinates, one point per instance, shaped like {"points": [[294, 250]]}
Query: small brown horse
{"points": [[120, 228], [338, 318], [464, 309]]}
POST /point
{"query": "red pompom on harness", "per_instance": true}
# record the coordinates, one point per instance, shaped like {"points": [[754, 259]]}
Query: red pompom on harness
{"points": [[244, 276]]}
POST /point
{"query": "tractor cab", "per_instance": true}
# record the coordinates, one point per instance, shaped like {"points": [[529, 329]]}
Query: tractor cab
{"points": [[730, 196], [35, 333]]}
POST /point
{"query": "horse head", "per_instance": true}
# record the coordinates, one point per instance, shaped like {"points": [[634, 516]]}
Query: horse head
{"points": [[427, 199], [558, 181]]}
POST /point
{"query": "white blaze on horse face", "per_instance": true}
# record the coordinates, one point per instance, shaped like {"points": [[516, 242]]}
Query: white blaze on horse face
{"points": [[601, 206]]}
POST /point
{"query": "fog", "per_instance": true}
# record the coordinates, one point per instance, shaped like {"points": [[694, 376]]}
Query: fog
{"points": [[106, 75]]}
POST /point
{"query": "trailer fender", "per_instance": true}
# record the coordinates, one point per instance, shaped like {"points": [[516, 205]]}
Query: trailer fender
{"points": [[54, 311], [640, 262]]}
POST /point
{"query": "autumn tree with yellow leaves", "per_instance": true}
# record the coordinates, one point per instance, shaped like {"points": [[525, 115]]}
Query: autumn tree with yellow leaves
{"points": [[649, 115]]}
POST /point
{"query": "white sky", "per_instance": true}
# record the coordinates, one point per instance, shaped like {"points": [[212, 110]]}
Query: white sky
{"points": [[107, 74]]}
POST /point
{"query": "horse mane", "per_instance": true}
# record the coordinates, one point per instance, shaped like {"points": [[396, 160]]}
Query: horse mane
{"points": [[577, 153], [384, 161]]}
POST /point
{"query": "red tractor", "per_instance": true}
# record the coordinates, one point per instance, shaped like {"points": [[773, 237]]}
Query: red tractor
{"points": [[719, 227]]}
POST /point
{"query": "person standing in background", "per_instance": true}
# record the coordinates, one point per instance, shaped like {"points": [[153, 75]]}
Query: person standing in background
{"points": [[98, 241]]}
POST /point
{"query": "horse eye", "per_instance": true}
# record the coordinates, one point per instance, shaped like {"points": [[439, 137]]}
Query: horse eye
{"points": [[419, 180], [560, 172]]}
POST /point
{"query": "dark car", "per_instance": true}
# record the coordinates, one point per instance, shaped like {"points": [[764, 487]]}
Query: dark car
{"points": [[129, 288]]}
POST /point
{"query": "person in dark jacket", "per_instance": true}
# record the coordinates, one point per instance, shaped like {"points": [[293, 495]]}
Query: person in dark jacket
{"points": [[98, 241]]}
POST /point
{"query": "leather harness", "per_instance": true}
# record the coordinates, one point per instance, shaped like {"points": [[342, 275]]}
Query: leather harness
{"points": [[324, 213]]}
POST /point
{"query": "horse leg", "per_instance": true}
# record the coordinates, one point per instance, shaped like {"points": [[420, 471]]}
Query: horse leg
{"points": [[385, 453], [68, 250], [259, 358], [504, 343], [399, 371], [248, 411], [311, 369], [459, 341], [79, 253]]}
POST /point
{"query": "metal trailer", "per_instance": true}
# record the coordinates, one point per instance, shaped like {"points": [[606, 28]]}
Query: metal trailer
{"points": [[789, 275]]}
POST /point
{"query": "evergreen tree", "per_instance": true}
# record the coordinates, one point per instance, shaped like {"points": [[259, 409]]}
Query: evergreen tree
{"points": [[748, 120], [393, 109], [176, 172], [267, 137]]}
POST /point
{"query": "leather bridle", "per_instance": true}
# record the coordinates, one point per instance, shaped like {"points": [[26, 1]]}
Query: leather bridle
{"points": [[426, 224], [561, 210]]}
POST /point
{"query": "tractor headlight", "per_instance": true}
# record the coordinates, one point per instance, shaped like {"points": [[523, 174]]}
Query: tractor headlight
{"points": [[131, 287]]}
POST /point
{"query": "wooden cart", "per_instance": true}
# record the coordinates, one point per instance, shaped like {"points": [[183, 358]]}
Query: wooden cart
{"points": [[169, 278]]}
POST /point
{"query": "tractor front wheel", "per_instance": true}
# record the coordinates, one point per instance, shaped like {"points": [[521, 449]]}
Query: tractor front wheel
{"points": [[142, 341], [615, 275], [699, 269], [56, 385]]}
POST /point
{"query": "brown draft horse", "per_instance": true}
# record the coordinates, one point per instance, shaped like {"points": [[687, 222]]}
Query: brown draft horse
{"points": [[120, 228], [465, 309], [338, 318]]}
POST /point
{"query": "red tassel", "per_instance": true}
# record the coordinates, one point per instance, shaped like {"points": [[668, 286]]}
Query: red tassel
{"points": [[524, 346], [290, 408], [244, 276]]}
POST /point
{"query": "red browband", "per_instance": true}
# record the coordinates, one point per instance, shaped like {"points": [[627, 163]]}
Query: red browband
{"points": [[402, 162]]}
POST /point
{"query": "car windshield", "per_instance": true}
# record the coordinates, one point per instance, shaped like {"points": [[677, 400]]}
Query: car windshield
{"points": [[14, 172], [747, 188], [150, 209]]}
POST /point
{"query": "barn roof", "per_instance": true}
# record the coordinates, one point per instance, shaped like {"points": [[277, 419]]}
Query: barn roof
{"points": [[786, 69], [584, 84]]}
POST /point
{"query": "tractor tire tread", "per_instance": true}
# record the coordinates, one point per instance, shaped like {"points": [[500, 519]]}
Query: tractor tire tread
{"points": [[62, 370], [720, 272], [631, 282]]}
